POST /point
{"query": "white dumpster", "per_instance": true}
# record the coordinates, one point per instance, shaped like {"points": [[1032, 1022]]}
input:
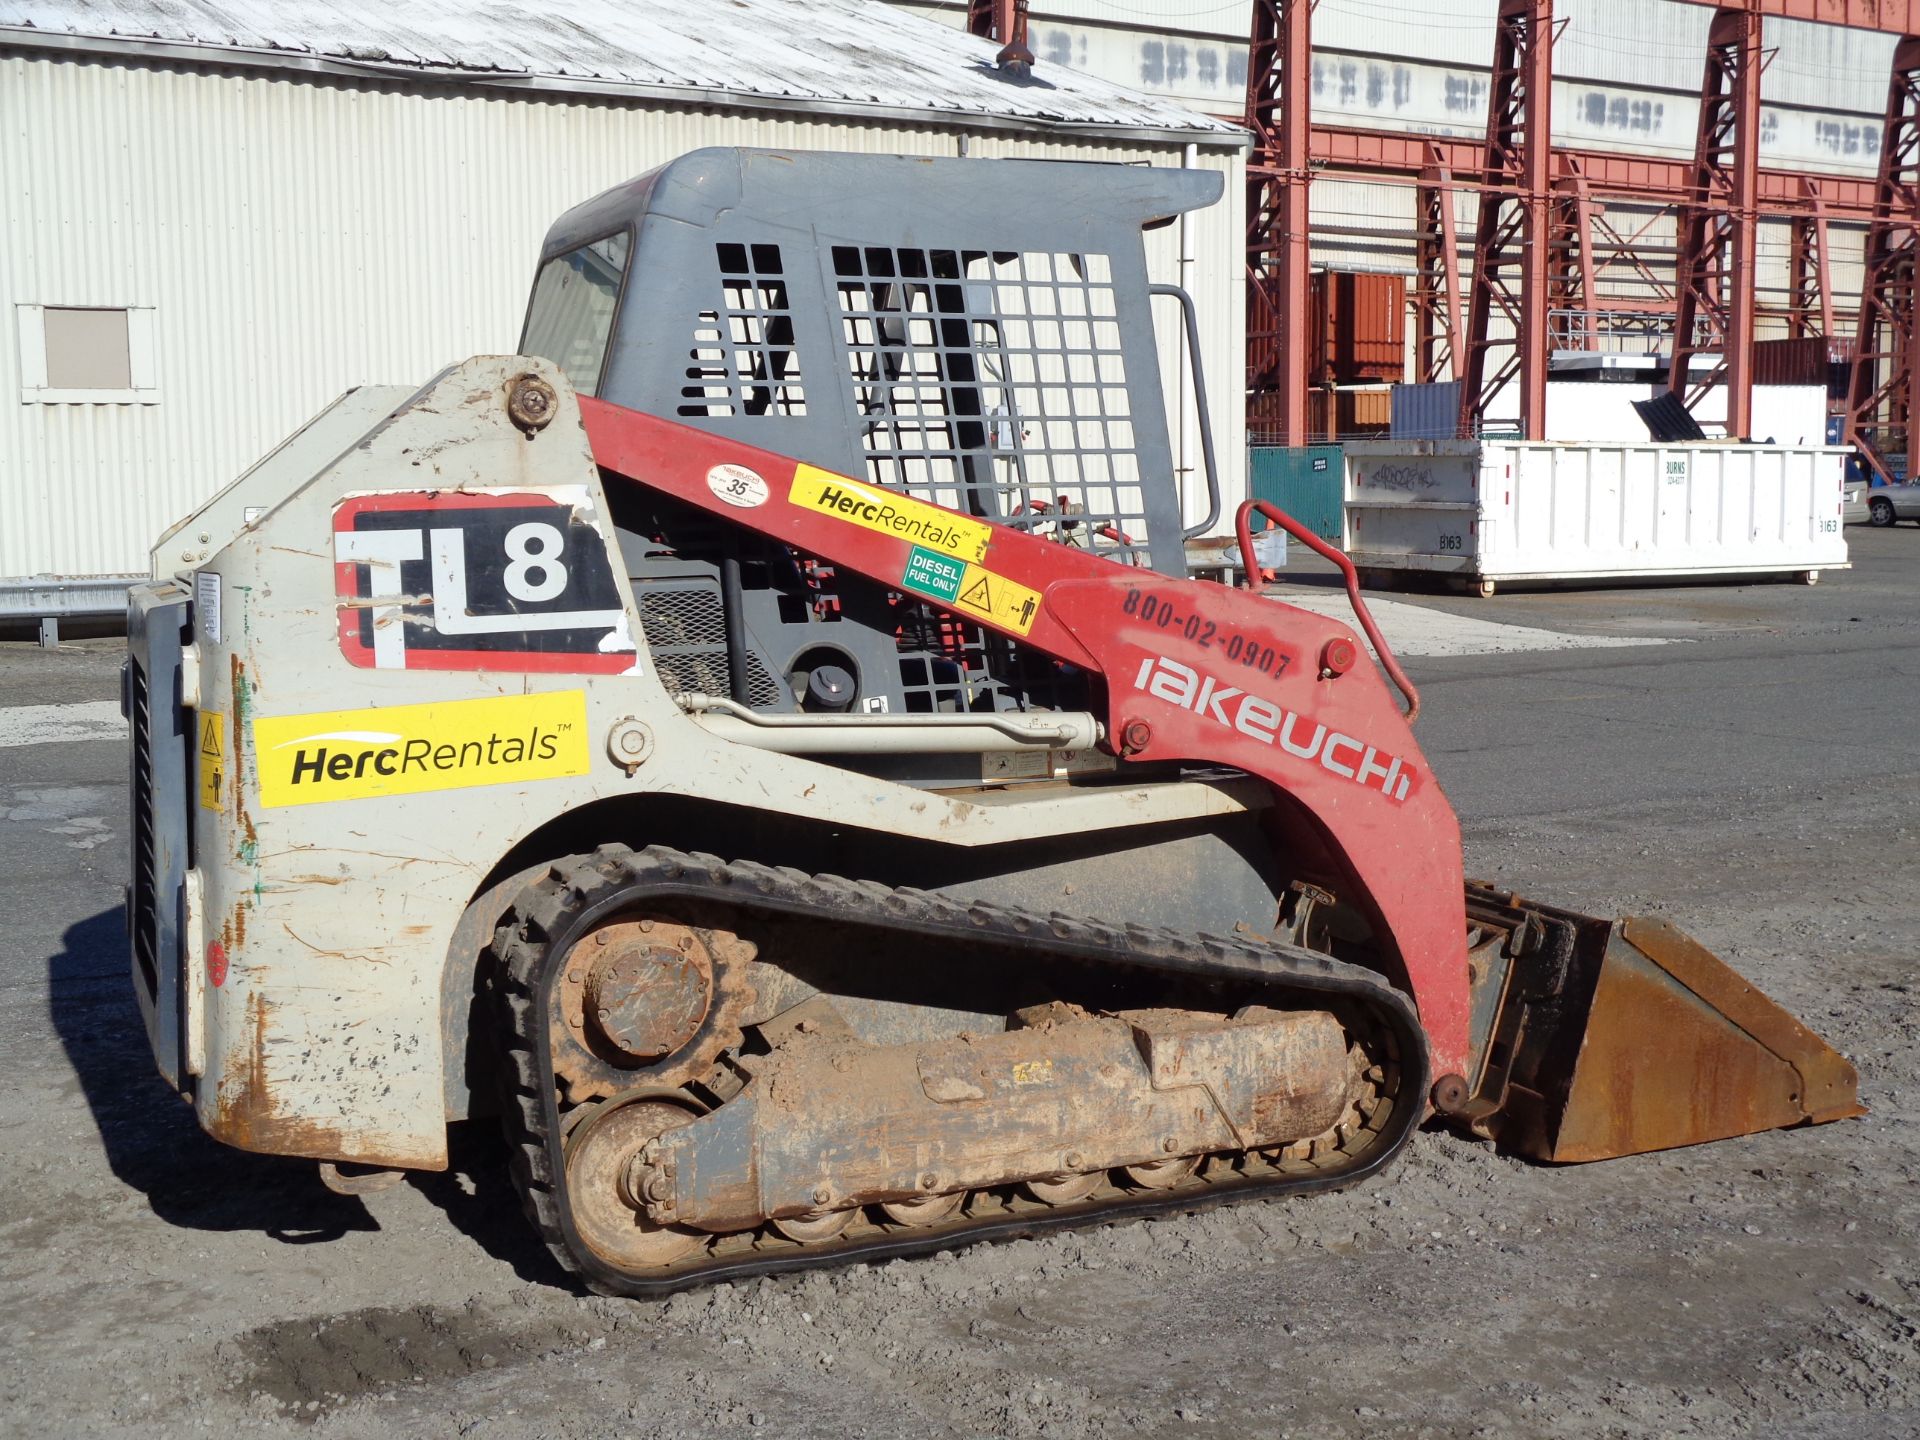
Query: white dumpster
{"points": [[1487, 511]]}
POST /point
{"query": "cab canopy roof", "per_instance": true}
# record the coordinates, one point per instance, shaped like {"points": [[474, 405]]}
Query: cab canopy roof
{"points": [[861, 59]]}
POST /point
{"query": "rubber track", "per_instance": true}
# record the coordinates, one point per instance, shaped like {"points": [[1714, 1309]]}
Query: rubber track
{"points": [[576, 893]]}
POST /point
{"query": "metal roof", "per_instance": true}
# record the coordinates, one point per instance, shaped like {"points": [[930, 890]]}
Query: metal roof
{"points": [[857, 57]]}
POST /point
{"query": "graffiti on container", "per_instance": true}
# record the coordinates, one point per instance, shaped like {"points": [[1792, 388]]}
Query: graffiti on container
{"points": [[1398, 476]]}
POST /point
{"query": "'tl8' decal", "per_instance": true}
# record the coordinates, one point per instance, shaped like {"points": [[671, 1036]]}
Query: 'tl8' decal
{"points": [[478, 580]]}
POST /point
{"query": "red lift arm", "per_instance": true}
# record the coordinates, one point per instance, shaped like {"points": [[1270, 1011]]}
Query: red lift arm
{"points": [[1191, 671]]}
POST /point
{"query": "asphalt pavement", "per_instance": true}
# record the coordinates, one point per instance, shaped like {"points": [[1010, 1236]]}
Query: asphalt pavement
{"points": [[1752, 772]]}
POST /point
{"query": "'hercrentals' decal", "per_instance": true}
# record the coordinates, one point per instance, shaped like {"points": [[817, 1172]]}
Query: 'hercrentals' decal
{"points": [[1271, 724], [405, 749], [900, 516]]}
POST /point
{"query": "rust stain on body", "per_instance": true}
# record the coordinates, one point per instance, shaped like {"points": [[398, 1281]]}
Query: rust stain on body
{"points": [[233, 929], [248, 1114]]}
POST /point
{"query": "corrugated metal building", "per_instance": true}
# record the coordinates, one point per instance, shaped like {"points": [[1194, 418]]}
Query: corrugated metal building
{"points": [[221, 213], [1627, 77], [1626, 72]]}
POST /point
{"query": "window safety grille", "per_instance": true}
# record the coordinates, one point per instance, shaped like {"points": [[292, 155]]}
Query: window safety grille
{"points": [[996, 385], [743, 359]]}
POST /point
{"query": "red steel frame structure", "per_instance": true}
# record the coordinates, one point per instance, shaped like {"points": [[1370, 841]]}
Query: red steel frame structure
{"points": [[1530, 188], [1885, 394], [1810, 298], [1714, 274], [1279, 256], [1439, 326], [1573, 286], [1510, 249]]}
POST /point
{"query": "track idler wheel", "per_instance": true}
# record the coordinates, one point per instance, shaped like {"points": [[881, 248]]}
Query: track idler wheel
{"points": [[813, 1229], [601, 1151], [1065, 1189], [1162, 1174]]}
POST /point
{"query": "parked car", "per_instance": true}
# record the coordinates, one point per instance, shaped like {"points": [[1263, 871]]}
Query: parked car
{"points": [[1881, 504]]}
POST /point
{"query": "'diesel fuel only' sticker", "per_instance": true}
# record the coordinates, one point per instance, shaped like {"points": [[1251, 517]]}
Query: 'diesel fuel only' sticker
{"points": [[971, 590]]}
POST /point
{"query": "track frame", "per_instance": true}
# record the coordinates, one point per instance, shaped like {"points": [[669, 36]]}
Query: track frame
{"points": [[582, 891]]}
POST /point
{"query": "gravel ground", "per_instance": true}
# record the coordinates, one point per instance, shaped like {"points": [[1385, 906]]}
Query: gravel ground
{"points": [[156, 1284]]}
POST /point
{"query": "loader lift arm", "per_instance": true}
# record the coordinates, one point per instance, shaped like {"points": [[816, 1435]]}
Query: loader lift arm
{"points": [[1193, 672], [1562, 1036]]}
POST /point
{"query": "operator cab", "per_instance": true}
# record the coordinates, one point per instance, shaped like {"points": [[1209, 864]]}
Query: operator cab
{"points": [[973, 333]]}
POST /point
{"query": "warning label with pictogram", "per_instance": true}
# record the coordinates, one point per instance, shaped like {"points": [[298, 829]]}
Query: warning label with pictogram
{"points": [[213, 757], [1007, 603]]}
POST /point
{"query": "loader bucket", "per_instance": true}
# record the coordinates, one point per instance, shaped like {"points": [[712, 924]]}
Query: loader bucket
{"points": [[1593, 1039]]}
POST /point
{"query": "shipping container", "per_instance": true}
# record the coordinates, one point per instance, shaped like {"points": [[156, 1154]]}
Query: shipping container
{"points": [[1357, 329], [1425, 412], [1357, 411], [1308, 482], [1823, 360], [1484, 512]]}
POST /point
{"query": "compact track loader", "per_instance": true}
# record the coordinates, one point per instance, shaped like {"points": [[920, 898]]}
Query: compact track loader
{"points": [[762, 742]]}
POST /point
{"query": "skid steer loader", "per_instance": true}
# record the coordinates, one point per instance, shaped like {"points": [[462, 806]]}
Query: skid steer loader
{"points": [[762, 742]]}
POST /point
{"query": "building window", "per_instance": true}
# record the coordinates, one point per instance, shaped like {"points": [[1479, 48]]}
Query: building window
{"points": [[87, 355]]}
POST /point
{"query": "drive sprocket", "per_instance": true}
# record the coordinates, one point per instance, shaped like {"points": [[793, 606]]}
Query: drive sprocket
{"points": [[644, 1001]]}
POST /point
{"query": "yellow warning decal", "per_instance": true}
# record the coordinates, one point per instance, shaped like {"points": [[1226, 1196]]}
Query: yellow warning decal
{"points": [[900, 516], [405, 749], [213, 757], [972, 588], [1032, 1072], [1007, 603]]}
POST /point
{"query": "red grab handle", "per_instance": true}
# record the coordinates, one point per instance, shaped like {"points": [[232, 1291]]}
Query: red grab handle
{"points": [[1313, 542]]}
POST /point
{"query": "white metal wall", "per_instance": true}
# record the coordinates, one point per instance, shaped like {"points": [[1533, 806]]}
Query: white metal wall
{"points": [[296, 237], [1626, 72]]}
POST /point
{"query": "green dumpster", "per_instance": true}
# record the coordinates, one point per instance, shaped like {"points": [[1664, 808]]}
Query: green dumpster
{"points": [[1308, 482]]}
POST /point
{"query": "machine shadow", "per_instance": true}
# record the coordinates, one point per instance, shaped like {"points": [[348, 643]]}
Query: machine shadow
{"points": [[152, 1141], [477, 1195]]}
